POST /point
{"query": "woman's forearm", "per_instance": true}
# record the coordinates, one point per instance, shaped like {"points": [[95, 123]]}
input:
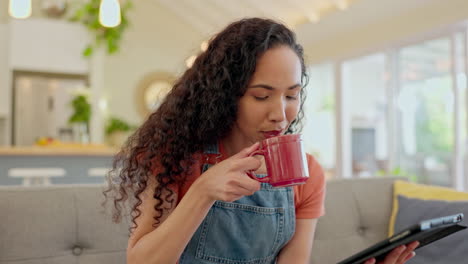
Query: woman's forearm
{"points": [[166, 243]]}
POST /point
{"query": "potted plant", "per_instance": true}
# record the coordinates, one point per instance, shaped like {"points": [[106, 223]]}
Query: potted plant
{"points": [[117, 131], [80, 117], [88, 15]]}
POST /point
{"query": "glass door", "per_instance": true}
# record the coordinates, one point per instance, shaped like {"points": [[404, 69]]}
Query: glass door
{"points": [[365, 80], [425, 113], [319, 125]]}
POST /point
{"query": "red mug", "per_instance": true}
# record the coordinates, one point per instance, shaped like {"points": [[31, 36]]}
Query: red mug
{"points": [[285, 160]]}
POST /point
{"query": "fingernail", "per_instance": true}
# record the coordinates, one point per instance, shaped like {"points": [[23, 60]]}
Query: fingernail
{"points": [[410, 256]]}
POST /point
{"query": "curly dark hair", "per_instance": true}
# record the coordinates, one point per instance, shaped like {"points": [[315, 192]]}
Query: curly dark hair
{"points": [[200, 109]]}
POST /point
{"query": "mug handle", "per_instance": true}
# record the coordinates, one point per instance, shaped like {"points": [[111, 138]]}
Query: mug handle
{"points": [[252, 174]]}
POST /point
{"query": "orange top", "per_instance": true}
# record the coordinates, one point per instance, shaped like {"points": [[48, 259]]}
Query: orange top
{"points": [[308, 198]]}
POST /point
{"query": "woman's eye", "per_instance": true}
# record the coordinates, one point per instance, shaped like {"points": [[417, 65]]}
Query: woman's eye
{"points": [[260, 98], [292, 97]]}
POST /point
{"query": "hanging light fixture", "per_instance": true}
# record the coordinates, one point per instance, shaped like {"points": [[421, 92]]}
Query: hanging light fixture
{"points": [[204, 46], [20, 8], [189, 62], [109, 13]]}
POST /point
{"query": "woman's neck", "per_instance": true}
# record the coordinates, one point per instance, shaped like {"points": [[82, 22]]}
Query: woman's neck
{"points": [[234, 142], [230, 146]]}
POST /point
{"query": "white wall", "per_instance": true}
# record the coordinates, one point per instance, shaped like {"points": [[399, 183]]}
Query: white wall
{"points": [[3, 11], [155, 41], [4, 69], [5, 86], [57, 46]]}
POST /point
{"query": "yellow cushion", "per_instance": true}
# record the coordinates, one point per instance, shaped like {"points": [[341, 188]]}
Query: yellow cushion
{"points": [[422, 192]]}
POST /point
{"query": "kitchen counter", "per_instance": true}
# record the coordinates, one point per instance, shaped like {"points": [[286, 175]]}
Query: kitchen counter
{"points": [[64, 150], [79, 161]]}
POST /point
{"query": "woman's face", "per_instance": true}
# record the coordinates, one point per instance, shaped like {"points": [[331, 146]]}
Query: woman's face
{"points": [[272, 99]]}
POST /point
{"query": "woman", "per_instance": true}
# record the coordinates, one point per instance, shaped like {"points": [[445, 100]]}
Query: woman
{"points": [[185, 168]]}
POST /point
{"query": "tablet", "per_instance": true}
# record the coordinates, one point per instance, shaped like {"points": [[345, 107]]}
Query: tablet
{"points": [[425, 232]]}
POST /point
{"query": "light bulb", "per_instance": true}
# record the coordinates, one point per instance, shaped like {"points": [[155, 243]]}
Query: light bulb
{"points": [[20, 8], [109, 13], [189, 62], [204, 46]]}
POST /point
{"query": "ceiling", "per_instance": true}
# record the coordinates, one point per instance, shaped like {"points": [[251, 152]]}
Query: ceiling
{"points": [[212, 15], [334, 16], [312, 20]]}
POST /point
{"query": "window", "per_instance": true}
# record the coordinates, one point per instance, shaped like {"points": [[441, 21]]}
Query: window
{"points": [[461, 96], [425, 106], [319, 123], [364, 79], [402, 111]]}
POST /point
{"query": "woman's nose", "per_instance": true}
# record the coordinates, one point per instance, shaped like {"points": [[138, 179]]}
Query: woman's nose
{"points": [[278, 111]]}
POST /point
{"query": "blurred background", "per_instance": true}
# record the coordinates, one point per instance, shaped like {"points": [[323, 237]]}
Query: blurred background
{"points": [[387, 91]]}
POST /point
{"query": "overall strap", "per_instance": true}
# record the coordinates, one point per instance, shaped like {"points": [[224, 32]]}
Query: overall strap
{"points": [[211, 154]]}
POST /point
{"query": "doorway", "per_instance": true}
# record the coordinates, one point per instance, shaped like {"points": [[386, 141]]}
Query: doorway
{"points": [[41, 104]]}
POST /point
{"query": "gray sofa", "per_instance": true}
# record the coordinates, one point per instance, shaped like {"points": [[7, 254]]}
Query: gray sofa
{"points": [[66, 224]]}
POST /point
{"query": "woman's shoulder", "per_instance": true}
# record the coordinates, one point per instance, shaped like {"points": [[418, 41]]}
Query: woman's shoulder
{"points": [[309, 197], [314, 165]]}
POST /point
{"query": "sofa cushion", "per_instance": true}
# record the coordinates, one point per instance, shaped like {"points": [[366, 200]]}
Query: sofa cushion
{"points": [[417, 202], [451, 249], [358, 211], [421, 191], [58, 224]]}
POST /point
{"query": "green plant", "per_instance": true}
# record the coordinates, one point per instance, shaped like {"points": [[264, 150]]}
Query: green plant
{"points": [[115, 124], [399, 172], [88, 15], [328, 103], [81, 110], [434, 123]]}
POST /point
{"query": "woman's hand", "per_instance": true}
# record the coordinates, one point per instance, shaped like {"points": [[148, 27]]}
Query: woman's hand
{"points": [[227, 180], [399, 255]]}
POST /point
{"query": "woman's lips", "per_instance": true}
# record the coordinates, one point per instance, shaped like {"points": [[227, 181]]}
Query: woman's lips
{"points": [[272, 133]]}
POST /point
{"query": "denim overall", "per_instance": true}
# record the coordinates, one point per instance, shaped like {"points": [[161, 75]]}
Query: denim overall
{"points": [[251, 230]]}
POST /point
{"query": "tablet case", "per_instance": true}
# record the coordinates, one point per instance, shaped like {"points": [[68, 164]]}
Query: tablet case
{"points": [[425, 232]]}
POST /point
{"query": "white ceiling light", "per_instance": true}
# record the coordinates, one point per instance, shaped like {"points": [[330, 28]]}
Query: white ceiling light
{"points": [[189, 62], [109, 13], [20, 8], [204, 46]]}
